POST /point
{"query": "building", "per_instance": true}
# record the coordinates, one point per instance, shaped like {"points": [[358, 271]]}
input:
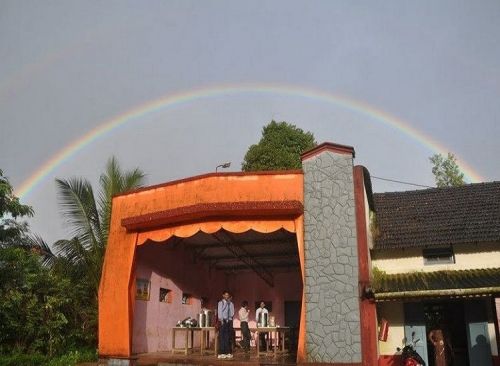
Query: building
{"points": [[436, 260], [299, 240]]}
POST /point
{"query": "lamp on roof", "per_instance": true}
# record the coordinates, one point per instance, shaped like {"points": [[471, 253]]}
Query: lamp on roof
{"points": [[224, 165]]}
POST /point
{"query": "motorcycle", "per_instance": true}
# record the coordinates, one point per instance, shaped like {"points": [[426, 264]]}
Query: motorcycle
{"points": [[410, 357]]}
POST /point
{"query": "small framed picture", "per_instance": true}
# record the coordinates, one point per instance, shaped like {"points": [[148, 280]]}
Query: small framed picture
{"points": [[143, 288]]}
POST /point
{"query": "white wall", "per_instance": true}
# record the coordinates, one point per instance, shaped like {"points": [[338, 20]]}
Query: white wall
{"points": [[466, 257], [393, 312]]}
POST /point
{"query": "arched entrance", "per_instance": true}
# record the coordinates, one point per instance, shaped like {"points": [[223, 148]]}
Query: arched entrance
{"points": [[193, 271]]}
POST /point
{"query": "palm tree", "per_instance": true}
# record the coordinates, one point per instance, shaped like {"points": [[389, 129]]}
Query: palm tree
{"points": [[89, 218]]}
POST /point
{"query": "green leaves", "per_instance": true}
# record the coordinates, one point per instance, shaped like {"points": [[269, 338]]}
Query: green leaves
{"points": [[48, 303], [89, 218], [11, 230], [32, 304], [9, 204], [113, 182], [279, 148], [446, 171]]}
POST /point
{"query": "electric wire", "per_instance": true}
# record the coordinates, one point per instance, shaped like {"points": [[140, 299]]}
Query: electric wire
{"points": [[401, 182]]}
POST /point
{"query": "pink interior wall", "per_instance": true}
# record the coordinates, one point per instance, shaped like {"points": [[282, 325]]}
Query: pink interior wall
{"points": [[497, 304], [171, 267], [248, 286]]}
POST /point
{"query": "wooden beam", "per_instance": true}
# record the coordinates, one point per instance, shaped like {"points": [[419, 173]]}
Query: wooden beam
{"points": [[239, 252], [256, 257], [288, 242], [242, 267]]}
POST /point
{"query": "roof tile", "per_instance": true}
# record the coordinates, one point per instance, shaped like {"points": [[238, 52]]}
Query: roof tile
{"points": [[438, 216]]}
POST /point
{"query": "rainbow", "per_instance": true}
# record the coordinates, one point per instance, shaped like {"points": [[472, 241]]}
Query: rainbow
{"points": [[176, 99], [25, 74]]}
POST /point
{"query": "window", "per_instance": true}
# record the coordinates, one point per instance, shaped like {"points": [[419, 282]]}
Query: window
{"points": [[439, 256], [204, 301], [186, 299], [165, 295]]}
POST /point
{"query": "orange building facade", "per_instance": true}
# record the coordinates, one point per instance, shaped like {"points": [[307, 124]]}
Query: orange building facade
{"points": [[174, 247]]}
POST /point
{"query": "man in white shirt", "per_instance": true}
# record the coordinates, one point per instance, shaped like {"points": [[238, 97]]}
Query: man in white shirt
{"points": [[225, 313], [245, 331], [261, 318]]}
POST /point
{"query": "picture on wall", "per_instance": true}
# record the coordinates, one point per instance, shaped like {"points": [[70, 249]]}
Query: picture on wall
{"points": [[143, 289]]}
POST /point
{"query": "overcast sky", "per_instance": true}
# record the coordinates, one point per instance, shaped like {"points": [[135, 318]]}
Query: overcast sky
{"points": [[67, 67]]}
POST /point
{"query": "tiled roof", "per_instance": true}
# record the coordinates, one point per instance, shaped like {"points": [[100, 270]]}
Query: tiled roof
{"points": [[438, 216], [438, 283]]}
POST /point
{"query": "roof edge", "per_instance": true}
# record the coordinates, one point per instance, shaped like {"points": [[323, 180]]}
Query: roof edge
{"points": [[485, 291], [328, 146], [214, 211], [210, 175]]}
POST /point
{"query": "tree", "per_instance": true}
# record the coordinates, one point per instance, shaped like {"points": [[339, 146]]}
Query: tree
{"points": [[11, 230], [279, 148], [32, 304], [89, 218], [32, 299], [446, 171]]}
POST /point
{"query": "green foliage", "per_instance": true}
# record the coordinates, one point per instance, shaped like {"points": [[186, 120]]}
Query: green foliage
{"points": [[48, 303], [279, 148], [11, 231], [80, 258], [374, 227], [33, 303], [73, 357], [35, 359], [23, 359], [446, 171], [378, 278], [89, 219]]}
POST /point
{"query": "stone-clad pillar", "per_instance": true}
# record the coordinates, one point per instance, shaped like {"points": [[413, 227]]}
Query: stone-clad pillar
{"points": [[331, 256]]}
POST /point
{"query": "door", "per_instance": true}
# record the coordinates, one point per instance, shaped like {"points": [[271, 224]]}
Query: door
{"points": [[415, 328], [478, 338], [292, 314], [292, 320]]}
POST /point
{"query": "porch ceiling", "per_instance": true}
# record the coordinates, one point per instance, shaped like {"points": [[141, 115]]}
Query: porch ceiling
{"points": [[263, 253], [228, 251]]}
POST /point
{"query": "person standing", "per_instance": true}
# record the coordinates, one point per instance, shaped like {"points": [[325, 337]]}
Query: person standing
{"points": [[245, 331], [225, 313], [261, 317], [442, 354]]}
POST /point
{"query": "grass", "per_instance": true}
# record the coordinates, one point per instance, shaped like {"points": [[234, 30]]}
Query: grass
{"points": [[69, 359]]}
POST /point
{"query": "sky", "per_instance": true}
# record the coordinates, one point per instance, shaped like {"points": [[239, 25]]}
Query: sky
{"points": [[179, 87]]}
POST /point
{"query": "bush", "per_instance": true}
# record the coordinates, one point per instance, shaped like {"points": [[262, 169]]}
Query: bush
{"points": [[69, 359], [73, 357], [43, 311], [23, 360]]}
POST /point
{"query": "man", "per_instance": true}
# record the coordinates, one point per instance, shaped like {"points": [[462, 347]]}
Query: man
{"points": [[442, 348], [225, 313], [261, 318], [245, 331]]}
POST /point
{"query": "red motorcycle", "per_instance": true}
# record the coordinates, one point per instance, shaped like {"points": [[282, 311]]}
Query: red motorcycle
{"points": [[410, 357]]}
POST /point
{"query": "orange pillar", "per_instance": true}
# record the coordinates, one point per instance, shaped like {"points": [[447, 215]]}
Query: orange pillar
{"points": [[116, 298], [301, 348]]}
